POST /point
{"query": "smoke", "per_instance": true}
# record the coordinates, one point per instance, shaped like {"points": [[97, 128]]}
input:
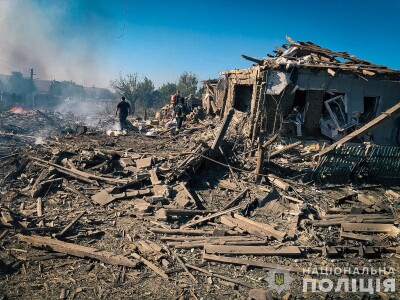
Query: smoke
{"points": [[81, 108], [43, 36]]}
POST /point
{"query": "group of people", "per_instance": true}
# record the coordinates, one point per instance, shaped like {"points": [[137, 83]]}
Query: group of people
{"points": [[180, 109]]}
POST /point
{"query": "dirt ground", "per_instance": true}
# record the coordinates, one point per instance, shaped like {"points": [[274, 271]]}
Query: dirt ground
{"points": [[127, 224]]}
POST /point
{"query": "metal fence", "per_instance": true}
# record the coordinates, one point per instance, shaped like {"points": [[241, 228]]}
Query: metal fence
{"points": [[359, 164]]}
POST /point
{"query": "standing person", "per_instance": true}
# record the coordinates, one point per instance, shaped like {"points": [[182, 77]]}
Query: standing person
{"points": [[190, 102], [124, 110], [180, 113], [297, 119], [175, 98]]}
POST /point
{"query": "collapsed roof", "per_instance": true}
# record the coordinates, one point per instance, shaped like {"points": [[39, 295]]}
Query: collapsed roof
{"points": [[310, 55]]}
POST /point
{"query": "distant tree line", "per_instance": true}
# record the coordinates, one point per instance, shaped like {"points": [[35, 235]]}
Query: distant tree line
{"points": [[140, 91]]}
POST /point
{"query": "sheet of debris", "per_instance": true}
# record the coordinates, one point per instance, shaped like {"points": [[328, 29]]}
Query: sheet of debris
{"points": [[90, 215]]}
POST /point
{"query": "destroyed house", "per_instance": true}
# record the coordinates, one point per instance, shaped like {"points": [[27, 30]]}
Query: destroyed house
{"points": [[306, 90]]}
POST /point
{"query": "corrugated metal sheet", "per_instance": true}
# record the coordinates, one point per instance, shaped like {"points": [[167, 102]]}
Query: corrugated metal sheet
{"points": [[360, 164]]}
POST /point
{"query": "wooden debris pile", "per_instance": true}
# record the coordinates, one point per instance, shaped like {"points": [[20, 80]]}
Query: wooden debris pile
{"points": [[311, 55], [179, 217]]}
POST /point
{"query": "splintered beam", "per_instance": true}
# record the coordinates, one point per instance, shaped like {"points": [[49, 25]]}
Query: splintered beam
{"points": [[387, 114]]}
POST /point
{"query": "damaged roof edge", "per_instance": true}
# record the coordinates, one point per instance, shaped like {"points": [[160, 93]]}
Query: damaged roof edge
{"points": [[310, 55]]}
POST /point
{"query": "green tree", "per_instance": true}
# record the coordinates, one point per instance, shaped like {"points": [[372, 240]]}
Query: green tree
{"points": [[145, 93], [187, 83], [166, 90], [127, 86]]}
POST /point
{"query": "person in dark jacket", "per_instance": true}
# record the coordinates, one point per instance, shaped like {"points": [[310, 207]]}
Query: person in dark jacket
{"points": [[180, 113], [123, 108]]}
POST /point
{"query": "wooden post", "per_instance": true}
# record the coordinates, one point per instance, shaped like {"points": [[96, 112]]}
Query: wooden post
{"points": [[261, 156], [222, 131], [39, 208]]}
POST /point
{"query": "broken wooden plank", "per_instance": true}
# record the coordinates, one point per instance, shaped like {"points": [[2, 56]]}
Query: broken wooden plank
{"points": [[77, 250], [292, 199], [6, 218], [366, 227], [227, 185], [210, 217], [143, 163], [8, 156], [187, 245], [252, 250], [126, 162], [280, 236], [153, 177], [355, 216], [393, 194], [39, 209], [181, 231], [79, 174], [150, 265], [179, 260], [222, 131], [258, 171], [186, 191], [14, 174], [364, 200], [44, 186], [284, 149], [103, 197], [4, 233], [270, 141], [209, 273], [68, 185], [234, 176], [69, 226], [210, 239], [339, 221], [132, 194], [200, 244], [248, 262], [165, 213], [279, 182], [43, 174], [255, 60], [369, 73], [331, 72], [236, 200], [358, 237]]}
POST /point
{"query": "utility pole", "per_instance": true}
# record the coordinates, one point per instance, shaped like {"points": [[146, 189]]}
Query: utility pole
{"points": [[33, 93]]}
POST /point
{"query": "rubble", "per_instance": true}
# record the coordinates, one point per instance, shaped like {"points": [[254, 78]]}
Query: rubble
{"points": [[161, 209], [202, 214]]}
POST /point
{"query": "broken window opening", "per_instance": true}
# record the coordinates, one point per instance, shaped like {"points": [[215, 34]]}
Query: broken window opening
{"points": [[370, 109], [299, 99], [337, 111], [334, 118], [242, 97]]}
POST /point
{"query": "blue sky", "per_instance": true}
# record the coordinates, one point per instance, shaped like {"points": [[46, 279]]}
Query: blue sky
{"points": [[161, 39]]}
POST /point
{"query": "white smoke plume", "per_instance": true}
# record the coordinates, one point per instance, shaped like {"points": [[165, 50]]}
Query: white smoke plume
{"points": [[33, 36]]}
